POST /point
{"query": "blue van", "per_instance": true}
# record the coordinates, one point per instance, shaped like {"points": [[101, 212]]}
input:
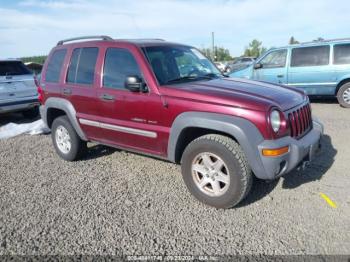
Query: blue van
{"points": [[321, 68]]}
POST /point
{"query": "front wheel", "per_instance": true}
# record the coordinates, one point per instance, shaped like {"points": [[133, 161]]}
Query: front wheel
{"points": [[343, 95], [66, 141], [215, 171]]}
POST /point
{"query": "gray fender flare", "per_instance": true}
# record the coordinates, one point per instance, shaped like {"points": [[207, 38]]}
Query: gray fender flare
{"points": [[67, 107], [244, 131]]}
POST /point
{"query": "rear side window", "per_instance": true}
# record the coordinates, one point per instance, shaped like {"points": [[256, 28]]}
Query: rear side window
{"points": [[119, 64], [13, 68], [310, 56], [54, 67], [342, 54], [82, 66]]}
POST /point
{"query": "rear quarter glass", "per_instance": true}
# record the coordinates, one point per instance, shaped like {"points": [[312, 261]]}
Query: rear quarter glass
{"points": [[54, 66]]}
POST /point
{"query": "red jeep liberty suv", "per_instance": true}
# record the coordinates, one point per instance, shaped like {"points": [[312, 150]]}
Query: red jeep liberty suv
{"points": [[169, 101]]}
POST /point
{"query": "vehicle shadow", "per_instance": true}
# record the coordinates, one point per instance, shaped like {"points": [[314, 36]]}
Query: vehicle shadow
{"points": [[323, 100], [317, 169], [97, 151], [16, 118]]}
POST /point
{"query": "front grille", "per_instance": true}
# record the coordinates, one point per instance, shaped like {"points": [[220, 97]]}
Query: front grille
{"points": [[300, 121]]}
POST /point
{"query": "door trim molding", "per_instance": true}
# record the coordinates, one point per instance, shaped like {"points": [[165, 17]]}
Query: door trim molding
{"points": [[128, 130]]}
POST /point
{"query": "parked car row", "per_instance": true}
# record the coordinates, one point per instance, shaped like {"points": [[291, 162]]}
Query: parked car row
{"points": [[169, 101], [18, 91], [235, 65], [239, 64], [319, 68]]}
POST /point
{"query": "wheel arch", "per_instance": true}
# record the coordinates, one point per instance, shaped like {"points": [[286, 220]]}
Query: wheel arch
{"points": [[55, 107], [191, 125], [341, 83]]}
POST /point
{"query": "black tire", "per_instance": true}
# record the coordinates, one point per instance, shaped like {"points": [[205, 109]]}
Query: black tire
{"points": [[239, 172], [343, 91], [78, 147], [31, 113]]}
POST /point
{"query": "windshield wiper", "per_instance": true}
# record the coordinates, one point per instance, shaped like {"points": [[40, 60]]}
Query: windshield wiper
{"points": [[181, 79], [206, 76]]}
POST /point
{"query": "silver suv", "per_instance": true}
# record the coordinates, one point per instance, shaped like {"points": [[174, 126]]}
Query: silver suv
{"points": [[18, 91]]}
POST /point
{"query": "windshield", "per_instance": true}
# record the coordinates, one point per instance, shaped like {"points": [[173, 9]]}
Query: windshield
{"points": [[13, 68], [174, 64]]}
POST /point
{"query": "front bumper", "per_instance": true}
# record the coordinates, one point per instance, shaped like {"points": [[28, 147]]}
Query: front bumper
{"points": [[300, 151]]}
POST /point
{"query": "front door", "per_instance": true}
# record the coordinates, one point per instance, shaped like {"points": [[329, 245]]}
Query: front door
{"points": [[128, 119], [272, 67]]}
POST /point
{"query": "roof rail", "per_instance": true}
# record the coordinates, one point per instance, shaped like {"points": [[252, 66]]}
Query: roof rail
{"points": [[326, 40], [102, 37], [141, 39]]}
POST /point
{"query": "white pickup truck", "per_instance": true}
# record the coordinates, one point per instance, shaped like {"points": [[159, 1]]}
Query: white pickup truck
{"points": [[18, 91]]}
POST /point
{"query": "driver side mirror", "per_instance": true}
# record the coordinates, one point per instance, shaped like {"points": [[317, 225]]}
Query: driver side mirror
{"points": [[258, 66], [134, 84]]}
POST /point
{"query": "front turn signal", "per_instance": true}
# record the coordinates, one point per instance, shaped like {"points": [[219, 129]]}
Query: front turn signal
{"points": [[275, 152]]}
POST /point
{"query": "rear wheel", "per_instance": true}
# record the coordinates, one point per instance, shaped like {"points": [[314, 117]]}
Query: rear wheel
{"points": [[66, 141], [31, 113], [343, 95], [216, 172]]}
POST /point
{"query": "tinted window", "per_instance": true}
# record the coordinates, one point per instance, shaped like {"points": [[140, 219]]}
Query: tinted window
{"points": [[13, 68], [246, 60], [72, 71], [54, 67], [82, 66], [119, 63], [275, 59], [342, 54], [310, 56]]}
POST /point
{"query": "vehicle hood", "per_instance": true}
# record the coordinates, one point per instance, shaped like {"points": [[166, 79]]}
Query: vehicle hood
{"points": [[236, 92]]}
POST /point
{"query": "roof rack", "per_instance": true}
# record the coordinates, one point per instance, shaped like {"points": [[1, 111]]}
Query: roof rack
{"points": [[326, 40], [140, 39], [102, 37]]}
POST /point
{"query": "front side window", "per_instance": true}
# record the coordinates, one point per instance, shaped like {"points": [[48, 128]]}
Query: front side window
{"points": [[119, 64], [54, 66], [310, 56], [82, 66], [342, 54], [274, 59], [176, 64]]}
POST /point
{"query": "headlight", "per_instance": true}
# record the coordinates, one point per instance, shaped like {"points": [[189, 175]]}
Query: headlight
{"points": [[275, 119]]}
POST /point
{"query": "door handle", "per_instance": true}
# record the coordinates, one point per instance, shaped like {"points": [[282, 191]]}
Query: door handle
{"points": [[280, 76], [107, 97], [67, 91]]}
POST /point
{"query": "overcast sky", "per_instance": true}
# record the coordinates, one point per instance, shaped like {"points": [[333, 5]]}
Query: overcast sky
{"points": [[33, 27]]}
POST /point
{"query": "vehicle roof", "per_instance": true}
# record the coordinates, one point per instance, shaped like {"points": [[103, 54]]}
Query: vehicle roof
{"points": [[136, 42], [316, 43]]}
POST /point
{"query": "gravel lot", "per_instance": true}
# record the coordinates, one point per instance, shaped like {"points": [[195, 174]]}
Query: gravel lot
{"points": [[114, 202]]}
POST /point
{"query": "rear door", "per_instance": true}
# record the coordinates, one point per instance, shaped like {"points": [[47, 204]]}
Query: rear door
{"points": [[16, 82], [79, 87], [310, 70], [273, 67]]}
